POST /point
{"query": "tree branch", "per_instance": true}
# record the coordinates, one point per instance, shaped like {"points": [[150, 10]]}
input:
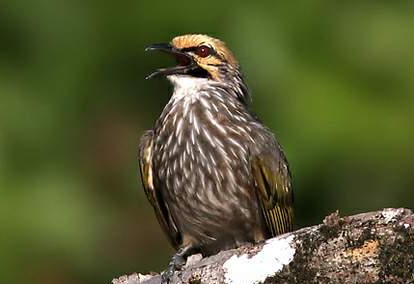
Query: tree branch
{"points": [[375, 247]]}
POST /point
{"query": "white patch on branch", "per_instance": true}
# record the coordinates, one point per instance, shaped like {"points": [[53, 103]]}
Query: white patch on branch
{"points": [[389, 214], [250, 270]]}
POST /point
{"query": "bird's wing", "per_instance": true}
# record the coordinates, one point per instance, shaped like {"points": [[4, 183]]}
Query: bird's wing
{"points": [[272, 180], [154, 196]]}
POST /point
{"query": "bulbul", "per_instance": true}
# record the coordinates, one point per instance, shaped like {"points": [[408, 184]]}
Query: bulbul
{"points": [[214, 174]]}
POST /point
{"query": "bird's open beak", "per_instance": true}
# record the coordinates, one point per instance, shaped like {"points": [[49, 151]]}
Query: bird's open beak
{"points": [[185, 61]]}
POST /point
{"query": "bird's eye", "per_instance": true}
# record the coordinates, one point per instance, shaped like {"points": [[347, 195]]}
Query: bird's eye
{"points": [[203, 51]]}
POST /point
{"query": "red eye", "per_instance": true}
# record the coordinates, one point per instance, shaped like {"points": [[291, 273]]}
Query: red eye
{"points": [[203, 51]]}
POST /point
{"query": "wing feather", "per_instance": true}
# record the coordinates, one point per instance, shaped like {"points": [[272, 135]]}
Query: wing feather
{"points": [[154, 196], [272, 179]]}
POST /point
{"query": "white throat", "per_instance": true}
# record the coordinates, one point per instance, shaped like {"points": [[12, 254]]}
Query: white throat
{"points": [[187, 86]]}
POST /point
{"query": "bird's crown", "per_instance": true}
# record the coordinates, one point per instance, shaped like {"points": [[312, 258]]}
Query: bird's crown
{"points": [[206, 49]]}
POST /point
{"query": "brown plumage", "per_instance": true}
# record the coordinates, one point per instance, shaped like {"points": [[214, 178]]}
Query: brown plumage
{"points": [[215, 175]]}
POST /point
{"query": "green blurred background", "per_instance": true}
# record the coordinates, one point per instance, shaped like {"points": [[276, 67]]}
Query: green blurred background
{"points": [[335, 82]]}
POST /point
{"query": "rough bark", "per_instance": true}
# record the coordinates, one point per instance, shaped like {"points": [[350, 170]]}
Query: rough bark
{"points": [[375, 247]]}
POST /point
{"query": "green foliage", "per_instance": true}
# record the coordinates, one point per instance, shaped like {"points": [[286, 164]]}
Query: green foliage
{"points": [[334, 82]]}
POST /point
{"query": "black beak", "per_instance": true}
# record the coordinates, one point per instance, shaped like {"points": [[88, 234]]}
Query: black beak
{"points": [[185, 62], [159, 46]]}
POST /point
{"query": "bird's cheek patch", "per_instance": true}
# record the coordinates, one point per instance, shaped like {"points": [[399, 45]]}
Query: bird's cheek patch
{"points": [[209, 61], [211, 68]]}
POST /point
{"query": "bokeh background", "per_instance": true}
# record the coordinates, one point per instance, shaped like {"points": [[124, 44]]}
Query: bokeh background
{"points": [[335, 82]]}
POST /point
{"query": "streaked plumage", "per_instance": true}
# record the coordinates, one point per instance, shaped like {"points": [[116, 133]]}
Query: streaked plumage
{"points": [[214, 174]]}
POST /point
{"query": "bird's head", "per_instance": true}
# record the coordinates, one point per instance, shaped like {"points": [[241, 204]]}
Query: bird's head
{"points": [[198, 56]]}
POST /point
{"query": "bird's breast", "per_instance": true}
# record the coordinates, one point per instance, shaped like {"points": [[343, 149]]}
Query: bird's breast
{"points": [[202, 161]]}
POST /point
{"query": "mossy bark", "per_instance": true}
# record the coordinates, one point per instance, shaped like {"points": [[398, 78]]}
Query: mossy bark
{"points": [[375, 247]]}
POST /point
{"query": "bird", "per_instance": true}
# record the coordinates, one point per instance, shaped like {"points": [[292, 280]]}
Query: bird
{"points": [[216, 177]]}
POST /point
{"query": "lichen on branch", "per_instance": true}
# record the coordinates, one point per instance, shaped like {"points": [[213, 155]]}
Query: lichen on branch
{"points": [[374, 247]]}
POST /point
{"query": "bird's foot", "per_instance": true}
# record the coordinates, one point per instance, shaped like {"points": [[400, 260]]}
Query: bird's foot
{"points": [[176, 263]]}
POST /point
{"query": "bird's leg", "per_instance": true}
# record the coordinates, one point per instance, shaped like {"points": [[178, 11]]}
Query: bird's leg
{"points": [[177, 262]]}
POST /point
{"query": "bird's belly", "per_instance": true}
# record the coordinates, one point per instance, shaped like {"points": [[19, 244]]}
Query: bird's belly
{"points": [[209, 191]]}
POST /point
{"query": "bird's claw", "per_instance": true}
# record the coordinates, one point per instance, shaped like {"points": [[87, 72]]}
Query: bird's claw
{"points": [[176, 263], [167, 275]]}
